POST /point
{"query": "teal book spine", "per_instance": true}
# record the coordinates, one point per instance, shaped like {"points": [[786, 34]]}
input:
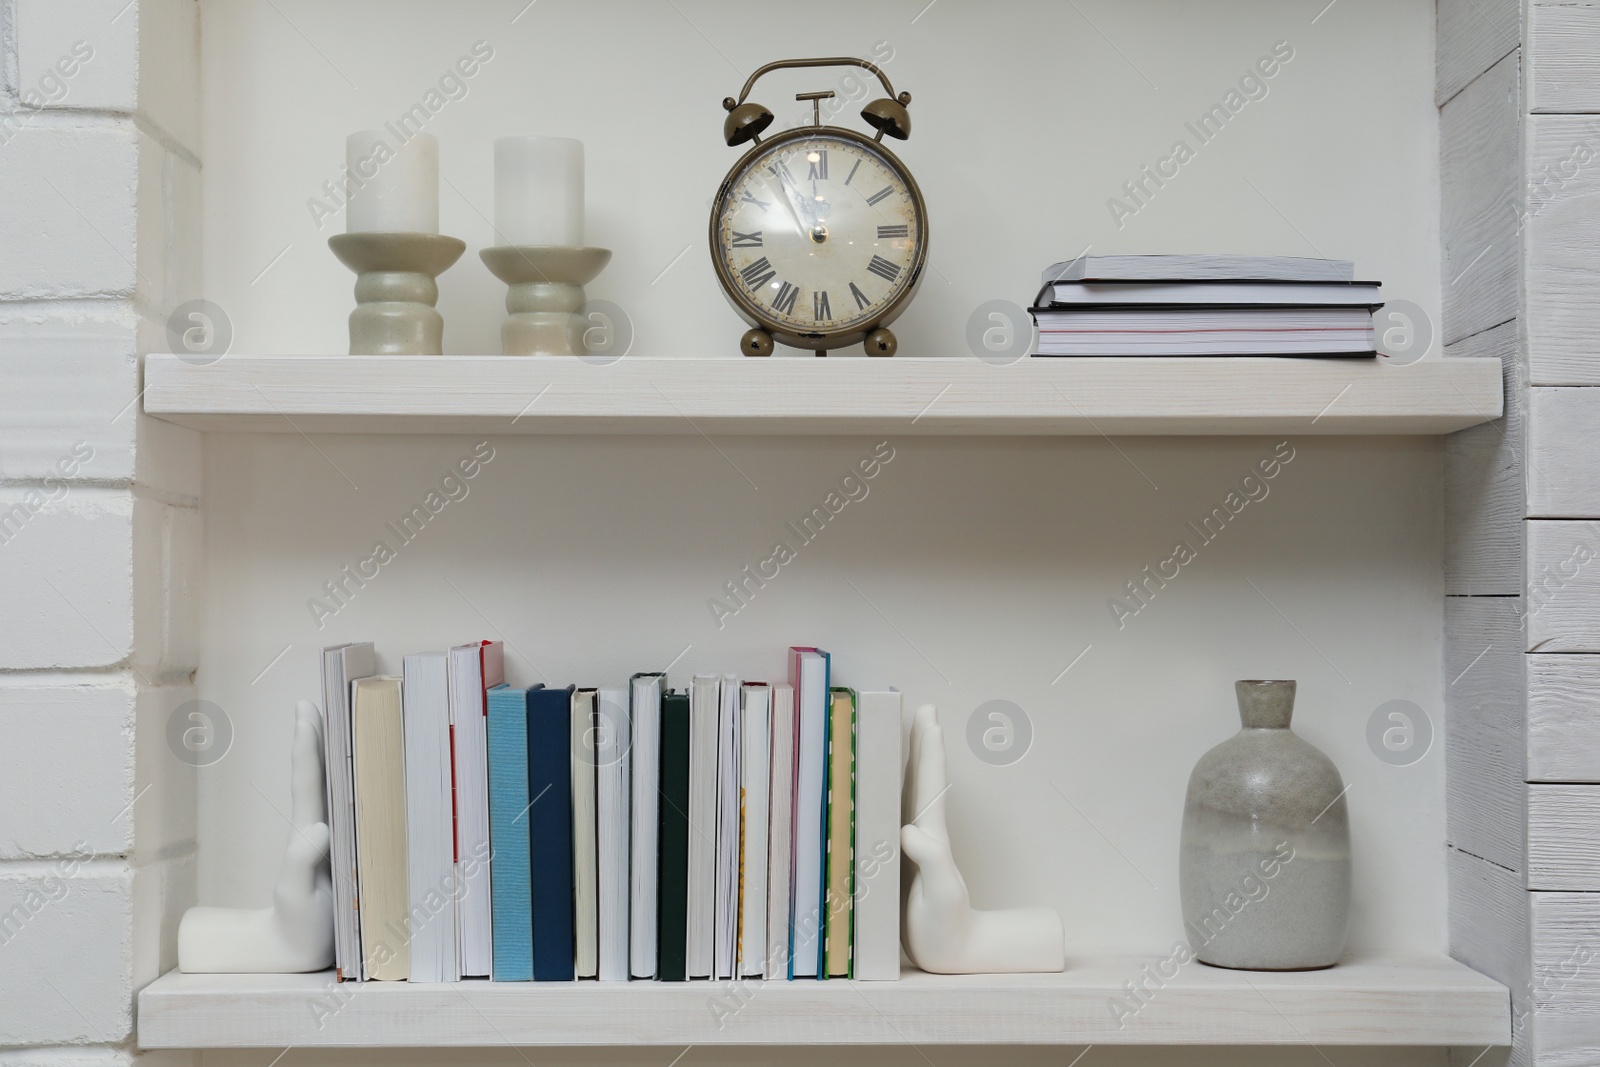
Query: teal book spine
{"points": [[510, 893]]}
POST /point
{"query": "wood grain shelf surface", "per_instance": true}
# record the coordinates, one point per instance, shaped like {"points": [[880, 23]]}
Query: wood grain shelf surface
{"points": [[1363, 1001], [639, 395]]}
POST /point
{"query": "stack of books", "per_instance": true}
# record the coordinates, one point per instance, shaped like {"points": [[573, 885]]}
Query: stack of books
{"points": [[736, 830], [1205, 306]]}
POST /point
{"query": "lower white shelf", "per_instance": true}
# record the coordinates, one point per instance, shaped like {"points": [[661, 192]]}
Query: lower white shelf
{"points": [[1365, 1001]]}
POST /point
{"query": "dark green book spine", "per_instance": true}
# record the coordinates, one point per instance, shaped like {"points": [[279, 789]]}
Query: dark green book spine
{"points": [[672, 881]]}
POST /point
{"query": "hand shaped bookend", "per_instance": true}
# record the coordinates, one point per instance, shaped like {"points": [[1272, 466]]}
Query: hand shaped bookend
{"points": [[296, 933], [941, 931]]}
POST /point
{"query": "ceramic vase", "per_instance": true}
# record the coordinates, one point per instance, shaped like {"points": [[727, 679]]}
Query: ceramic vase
{"points": [[1265, 862]]}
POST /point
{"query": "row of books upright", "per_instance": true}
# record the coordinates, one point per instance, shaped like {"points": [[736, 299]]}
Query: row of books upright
{"points": [[733, 830]]}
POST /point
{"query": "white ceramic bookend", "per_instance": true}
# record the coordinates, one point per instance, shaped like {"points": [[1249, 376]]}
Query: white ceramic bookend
{"points": [[295, 934], [941, 931]]}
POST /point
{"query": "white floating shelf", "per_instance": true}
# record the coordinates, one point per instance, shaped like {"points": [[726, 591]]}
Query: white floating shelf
{"points": [[637, 395], [1429, 1001]]}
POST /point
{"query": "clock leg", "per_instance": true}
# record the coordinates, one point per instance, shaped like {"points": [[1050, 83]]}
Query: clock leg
{"points": [[756, 343], [880, 342]]}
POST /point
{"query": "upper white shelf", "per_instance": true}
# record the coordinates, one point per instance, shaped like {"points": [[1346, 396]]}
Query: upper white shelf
{"points": [[1428, 1001], [500, 394]]}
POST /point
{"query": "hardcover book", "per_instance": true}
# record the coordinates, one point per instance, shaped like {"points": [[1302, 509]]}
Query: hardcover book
{"points": [[613, 815], [838, 930], [341, 666], [672, 877], [704, 707], [808, 673], [511, 888], [585, 838], [879, 769], [474, 670], [780, 833], [755, 777], [380, 780], [726, 905], [430, 819], [646, 713], [549, 821]]}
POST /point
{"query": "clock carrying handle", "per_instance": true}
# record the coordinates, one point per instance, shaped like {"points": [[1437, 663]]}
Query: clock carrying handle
{"points": [[830, 61], [746, 120]]}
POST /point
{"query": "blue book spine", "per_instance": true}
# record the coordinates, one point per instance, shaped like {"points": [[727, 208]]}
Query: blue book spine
{"points": [[509, 899], [550, 831]]}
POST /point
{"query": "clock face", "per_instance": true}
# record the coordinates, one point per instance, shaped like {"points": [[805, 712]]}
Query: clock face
{"points": [[820, 234]]}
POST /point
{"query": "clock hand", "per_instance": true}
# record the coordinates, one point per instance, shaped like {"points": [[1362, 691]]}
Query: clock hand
{"points": [[782, 193]]}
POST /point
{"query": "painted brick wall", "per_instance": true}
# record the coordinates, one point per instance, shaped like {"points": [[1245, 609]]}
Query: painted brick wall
{"points": [[99, 516]]}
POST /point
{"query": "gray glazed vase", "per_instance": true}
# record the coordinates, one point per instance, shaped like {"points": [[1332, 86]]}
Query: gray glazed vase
{"points": [[1265, 862]]}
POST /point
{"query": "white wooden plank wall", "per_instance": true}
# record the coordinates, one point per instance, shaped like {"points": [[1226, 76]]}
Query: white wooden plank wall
{"points": [[1563, 586], [1561, 249], [1479, 159], [1563, 445], [1483, 479], [1564, 719], [1561, 58], [1489, 933], [1486, 750], [1473, 35], [1485, 473], [1563, 245], [1566, 979], [1563, 837]]}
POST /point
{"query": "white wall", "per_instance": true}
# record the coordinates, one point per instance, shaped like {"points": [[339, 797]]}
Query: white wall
{"points": [[1025, 122], [980, 568]]}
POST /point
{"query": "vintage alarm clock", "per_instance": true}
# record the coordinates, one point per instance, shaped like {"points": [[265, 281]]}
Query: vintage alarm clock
{"points": [[819, 234]]}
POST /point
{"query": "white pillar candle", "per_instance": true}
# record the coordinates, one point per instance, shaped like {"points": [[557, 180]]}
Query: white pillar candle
{"points": [[394, 186], [538, 191]]}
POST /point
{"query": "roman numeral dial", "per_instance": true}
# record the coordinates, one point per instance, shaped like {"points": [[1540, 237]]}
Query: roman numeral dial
{"points": [[884, 269], [757, 274], [818, 235], [783, 302]]}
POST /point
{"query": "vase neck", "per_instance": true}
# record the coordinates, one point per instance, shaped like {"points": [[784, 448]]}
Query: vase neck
{"points": [[1265, 705]]}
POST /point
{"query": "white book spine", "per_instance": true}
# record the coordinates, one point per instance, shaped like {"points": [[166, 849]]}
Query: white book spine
{"points": [[727, 865], [755, 771], [585, 873], [809, 839], [342, 665], [424, 809], [704, 707], [646, 756], [477, 920], [474, 924], [336, 741], [444, 770], [879, 767], [613, 813], [780, 833]]}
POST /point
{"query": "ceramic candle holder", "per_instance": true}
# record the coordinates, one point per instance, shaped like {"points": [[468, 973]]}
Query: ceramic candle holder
{"points": [[544, 296], [396, 291]]}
